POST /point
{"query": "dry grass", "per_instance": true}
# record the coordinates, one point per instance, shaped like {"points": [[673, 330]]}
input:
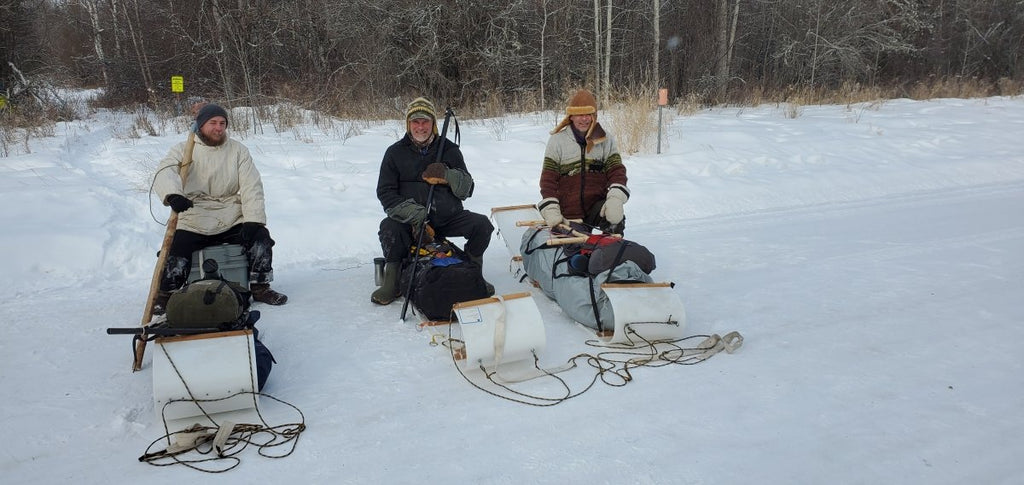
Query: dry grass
{"points": [[20, 123], [792, 99], [634, 119], [631, 114], [964, 88], [689, 104], [142, 122]]}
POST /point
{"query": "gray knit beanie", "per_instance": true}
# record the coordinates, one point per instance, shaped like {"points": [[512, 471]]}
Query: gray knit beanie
{"points": [[209, 111]]}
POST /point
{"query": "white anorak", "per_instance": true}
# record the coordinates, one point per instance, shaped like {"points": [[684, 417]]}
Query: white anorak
{"points": [[222, 183]]}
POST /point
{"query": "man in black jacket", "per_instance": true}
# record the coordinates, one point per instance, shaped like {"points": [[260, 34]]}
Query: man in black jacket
{"points": [[409, 169]]}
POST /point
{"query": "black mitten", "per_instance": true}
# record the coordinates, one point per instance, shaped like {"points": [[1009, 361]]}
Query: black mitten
{"points": [[250, 230], [179, 203]]}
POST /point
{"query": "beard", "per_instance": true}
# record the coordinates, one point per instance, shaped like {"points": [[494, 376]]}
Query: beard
{"points": [[421, 144], [213, 142]]}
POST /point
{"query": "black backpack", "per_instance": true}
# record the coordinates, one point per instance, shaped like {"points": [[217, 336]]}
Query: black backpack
{"points": [[606, 252], [444, 276]]}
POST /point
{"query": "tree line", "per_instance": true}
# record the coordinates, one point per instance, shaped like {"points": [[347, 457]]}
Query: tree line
{"points": [[339, 55]]}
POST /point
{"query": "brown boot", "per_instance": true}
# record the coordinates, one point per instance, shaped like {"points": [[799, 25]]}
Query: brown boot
{"points": [[262, 293]]}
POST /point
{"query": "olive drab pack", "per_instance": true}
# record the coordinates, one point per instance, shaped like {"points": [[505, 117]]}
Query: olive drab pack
{"points": [[208, 303]]}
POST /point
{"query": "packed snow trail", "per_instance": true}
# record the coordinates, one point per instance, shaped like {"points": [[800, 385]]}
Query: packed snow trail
{"points": [[875, 332]]}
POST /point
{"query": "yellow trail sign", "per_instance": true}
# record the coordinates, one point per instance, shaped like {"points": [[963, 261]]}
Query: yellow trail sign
{"points": [[177, 84]]}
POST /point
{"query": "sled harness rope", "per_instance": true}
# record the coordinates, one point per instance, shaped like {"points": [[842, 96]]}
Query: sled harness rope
{"points": [[613, 365], [226, 440]]}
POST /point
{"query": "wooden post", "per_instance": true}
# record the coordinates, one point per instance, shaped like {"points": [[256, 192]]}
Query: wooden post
{"points": [[662, 101]]}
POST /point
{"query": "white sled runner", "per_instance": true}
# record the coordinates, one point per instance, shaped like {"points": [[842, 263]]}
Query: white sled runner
{"points": [[499, 329], [219, 370]]}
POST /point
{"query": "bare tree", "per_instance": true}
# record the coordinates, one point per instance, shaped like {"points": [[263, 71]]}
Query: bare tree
{"points": [[657, 43], [97, 32], [597, 49], [606, 92], [334, 52]]}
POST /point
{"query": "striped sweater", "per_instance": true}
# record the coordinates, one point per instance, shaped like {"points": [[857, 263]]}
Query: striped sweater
{"points": [[576, 178]]}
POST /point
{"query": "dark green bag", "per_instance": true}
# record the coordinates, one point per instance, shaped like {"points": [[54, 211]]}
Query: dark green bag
{"points": [[208, 303]]}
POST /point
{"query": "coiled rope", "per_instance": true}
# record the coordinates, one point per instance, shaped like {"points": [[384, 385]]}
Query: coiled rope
{"points": [[612, 366], [201, 444]]}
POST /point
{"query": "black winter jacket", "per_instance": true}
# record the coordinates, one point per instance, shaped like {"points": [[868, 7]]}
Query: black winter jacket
{"points": [[401, 177]]}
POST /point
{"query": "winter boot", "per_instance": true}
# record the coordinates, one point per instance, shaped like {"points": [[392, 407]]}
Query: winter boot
{"points": [[160, 302], [262, 293], [389, 287], [479, 261]]}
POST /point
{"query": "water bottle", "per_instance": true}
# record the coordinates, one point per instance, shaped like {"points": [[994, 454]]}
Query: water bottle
{"points": [[378, 271]]}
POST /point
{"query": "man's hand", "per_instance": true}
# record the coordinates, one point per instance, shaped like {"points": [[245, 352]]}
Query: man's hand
{"points": [[178, 203], [435, 174]]}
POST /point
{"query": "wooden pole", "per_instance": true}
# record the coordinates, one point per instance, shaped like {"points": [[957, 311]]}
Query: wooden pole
{"points": [[172, 225]]}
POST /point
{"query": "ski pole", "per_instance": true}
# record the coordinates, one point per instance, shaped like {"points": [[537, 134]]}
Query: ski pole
{"points": [[448, 114]]}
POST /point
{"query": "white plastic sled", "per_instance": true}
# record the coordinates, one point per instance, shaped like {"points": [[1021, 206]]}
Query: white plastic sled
{"points": [[499, 329], [219, 370], [644, 312]]}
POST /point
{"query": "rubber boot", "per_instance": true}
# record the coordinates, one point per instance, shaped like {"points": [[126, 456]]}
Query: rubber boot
{"points": [[389, 287], [479, 261], [262, 293]]}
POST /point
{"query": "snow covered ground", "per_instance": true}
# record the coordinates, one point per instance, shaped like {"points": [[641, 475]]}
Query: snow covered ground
{"points": [[871, 255]]}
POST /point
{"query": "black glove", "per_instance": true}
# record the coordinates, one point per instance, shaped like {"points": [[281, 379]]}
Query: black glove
{"points": [[250, 230], [435, 173], [179, 203]]}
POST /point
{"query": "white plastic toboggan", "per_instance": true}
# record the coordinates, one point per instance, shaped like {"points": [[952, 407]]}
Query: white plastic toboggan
{"points": [[219, 368], [499, 329], [651, 311]]}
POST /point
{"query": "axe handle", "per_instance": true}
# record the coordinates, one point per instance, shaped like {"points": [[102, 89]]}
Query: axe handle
{"points": [[542, 223], [172, 224], [561, 241]]}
